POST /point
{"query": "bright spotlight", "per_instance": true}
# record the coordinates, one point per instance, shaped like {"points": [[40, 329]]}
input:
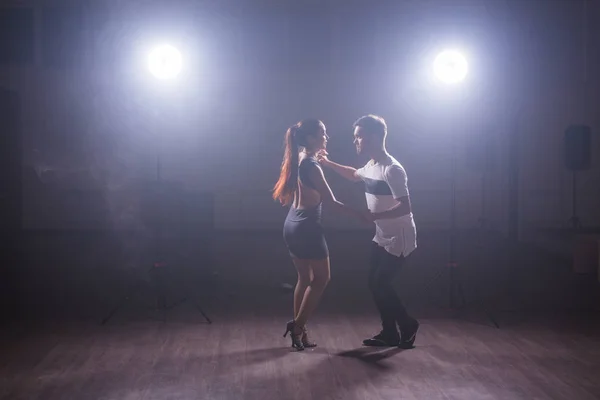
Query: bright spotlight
{"points": [[450, 66], [165, 62]]}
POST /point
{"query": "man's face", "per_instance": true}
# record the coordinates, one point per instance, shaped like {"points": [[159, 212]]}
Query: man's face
{"points": [[361, 141]]}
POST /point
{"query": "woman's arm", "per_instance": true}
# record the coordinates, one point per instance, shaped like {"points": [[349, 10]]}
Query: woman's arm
{"points": [[318, 179]]}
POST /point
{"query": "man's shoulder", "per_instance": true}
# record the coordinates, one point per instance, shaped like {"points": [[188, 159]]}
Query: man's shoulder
{"points": [[394, 162], [394, 166]]}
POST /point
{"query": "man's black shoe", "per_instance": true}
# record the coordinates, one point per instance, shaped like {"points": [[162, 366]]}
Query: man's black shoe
{"points": [[383, 340], [409, 334]]}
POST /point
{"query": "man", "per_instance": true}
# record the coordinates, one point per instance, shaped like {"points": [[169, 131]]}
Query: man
{"points": [[388, 201]]}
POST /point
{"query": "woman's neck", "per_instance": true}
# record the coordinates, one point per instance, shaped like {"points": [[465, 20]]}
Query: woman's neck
{"points": [[309, 153]]}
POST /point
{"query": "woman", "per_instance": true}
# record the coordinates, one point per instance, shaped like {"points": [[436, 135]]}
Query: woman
{"points": [[303, 187]]}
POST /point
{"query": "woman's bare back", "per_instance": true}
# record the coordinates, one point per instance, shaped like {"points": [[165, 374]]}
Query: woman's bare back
{"points": [[307, 196]]}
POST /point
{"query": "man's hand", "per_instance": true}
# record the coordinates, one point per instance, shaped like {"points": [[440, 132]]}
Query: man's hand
{"points": [[322, 157]]}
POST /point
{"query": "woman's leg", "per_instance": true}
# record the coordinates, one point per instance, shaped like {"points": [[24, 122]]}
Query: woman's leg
{"points": [[304, 278], [321, 275]]}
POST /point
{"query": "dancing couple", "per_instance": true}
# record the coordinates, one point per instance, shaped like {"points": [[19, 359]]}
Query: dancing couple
{"points": [[302, 186]]}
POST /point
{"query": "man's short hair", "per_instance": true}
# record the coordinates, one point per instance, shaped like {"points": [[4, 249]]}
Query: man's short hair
{"points": [[372, 124]]}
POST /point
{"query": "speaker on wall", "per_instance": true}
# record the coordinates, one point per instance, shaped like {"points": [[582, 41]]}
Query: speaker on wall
{"points": [[578, 147]]}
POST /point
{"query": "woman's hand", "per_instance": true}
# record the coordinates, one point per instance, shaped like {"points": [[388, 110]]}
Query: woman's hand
{"points": [[366, 216]]}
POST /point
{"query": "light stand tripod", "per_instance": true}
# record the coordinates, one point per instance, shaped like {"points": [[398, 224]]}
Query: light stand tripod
{"points": [[159, 267], [455, 276], [165, 64], [455, 284], [482, 220]]}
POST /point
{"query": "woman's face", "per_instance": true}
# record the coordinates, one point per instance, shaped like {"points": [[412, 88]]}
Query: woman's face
{"points": [[318, 141]]}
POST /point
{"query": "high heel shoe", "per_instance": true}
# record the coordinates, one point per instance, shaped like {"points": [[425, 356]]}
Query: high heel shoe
{"points": [[296, 336], [305, 341]]}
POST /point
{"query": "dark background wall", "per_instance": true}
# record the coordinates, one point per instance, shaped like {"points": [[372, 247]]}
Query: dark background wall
{"points": [[92, 120], [89, 108]]}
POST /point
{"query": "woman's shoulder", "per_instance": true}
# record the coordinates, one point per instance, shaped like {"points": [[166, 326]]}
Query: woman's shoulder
{"points": [[309, 161]]}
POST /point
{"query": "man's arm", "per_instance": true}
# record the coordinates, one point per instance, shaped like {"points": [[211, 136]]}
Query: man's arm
{"points": [[399, 210], [345, 171], [398, 183]]}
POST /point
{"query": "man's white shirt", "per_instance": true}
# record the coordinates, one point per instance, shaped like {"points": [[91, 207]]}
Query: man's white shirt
{"points": [[385, 182]]}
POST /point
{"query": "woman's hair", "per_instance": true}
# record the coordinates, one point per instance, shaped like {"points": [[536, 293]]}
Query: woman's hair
{"points": [[295, 137]]}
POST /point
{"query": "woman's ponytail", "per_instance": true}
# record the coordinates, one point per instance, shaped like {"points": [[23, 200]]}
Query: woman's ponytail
{"points": [[287, 184]]}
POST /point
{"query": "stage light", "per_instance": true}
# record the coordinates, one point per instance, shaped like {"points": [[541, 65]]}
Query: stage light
{"points": [[165, 62], [450, 67]]}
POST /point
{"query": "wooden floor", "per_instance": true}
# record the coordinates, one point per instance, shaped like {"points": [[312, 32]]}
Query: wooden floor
{"points": [[242, 355], [57, 349]]}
